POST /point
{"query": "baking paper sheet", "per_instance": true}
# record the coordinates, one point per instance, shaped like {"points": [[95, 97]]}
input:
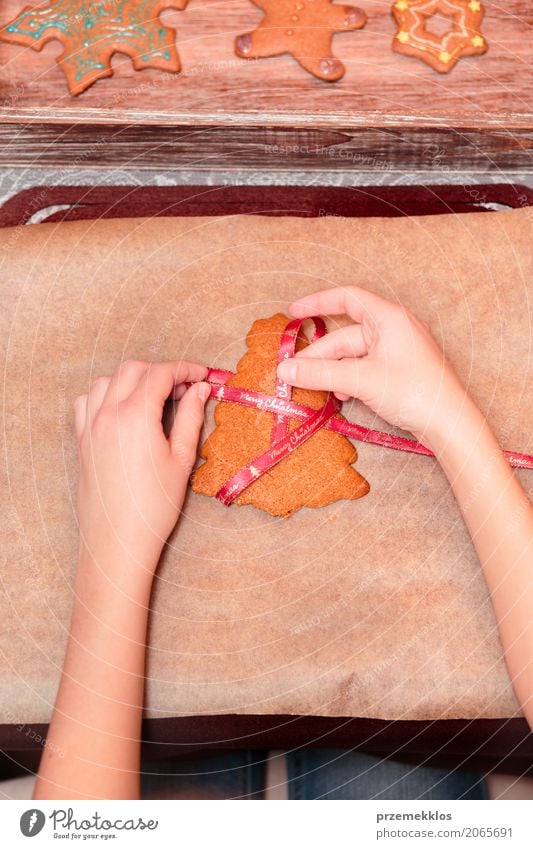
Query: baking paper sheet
{"points": [[373, 608]]}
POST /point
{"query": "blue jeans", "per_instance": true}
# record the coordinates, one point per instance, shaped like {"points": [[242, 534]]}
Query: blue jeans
{"points": [[312, 774], [221, 775], [340, 774]]}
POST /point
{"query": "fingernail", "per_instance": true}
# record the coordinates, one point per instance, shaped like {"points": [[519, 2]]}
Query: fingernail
{"points": [[287, 371], [204, 391]]}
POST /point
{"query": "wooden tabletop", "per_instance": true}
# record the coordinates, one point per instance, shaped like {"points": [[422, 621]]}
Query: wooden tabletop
{"points": [[389, 111]]}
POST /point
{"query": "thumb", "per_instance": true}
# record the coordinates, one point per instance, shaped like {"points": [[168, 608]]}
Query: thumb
{"points": [[187, 425], [350, 377]]}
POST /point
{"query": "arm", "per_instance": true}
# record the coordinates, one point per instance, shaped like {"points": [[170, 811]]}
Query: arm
{"points": [[132, 485], [499, 518], [390, 361]]}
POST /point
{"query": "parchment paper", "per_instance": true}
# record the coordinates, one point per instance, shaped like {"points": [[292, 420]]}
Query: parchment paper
{"points": [[371, 608]]}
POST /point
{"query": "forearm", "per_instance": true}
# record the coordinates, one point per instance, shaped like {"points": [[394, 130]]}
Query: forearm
{"points": [[499, 517], [93, 746]]}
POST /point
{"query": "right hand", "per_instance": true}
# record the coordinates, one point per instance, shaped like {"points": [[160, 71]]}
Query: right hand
{"points": [[388, 359]]}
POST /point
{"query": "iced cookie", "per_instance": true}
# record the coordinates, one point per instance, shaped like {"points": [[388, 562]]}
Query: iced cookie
{"points": [[303, 28], [92, 30], [441, 52]]}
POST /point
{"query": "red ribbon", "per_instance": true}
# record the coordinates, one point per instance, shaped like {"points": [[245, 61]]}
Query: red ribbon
{"points": [[283, 408]]}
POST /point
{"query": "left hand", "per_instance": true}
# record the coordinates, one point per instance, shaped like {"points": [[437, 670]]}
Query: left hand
{"points": [[133, 478]]}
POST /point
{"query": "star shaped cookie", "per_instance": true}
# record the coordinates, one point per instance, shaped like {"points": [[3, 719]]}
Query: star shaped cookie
{"points": [[303, 28], [92, 30], [440, 52]]}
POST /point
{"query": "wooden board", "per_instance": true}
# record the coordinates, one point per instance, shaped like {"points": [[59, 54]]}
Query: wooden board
{"points": [[388, 112]]}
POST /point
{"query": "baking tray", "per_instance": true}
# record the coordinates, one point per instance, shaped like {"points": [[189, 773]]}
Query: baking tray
{"points": [[485, 744]]}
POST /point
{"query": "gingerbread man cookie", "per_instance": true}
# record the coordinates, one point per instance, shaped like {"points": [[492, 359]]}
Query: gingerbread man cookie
{"points": [[440, 52], [303, 28], [92, 30], [317, 472]]}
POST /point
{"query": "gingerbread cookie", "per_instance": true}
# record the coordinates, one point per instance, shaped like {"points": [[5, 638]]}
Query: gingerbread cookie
{"points": [[440, 52], [303, 28], [317, 472], [92, 30]]}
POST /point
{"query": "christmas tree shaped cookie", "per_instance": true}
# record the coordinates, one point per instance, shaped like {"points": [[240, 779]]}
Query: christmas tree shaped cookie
{"points": [[318, 472]]}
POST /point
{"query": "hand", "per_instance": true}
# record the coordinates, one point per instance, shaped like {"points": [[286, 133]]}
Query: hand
{"points": [[388, 359], [132, 478]]}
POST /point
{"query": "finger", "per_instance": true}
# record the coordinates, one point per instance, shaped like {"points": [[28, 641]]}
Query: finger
{"points": [[158, 381], [179, 391], [125, 379], [187, 425], [347, 376], [96, 396], [349, 300], [80, 415], [345, 342]]}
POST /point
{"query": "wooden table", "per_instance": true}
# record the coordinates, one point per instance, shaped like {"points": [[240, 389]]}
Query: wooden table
{"points": [[389, 113]]}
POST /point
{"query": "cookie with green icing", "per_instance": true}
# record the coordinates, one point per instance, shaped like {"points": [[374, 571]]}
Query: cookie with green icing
{"points": [[92, 30]]}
